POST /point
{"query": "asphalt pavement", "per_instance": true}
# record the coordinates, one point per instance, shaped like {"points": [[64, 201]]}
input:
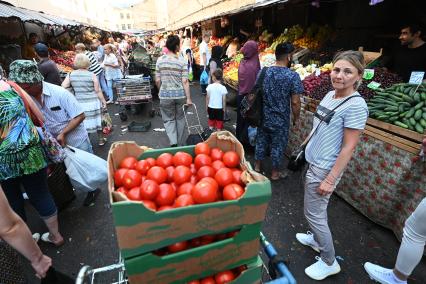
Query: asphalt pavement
{"points": [[90, 235]]}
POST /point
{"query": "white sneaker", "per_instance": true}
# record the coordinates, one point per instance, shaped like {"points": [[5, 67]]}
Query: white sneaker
{"points": [[320, 270], [308, 240], [381, 274]]}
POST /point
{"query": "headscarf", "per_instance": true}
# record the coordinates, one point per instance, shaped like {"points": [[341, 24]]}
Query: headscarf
{"points": [[249, 67]]}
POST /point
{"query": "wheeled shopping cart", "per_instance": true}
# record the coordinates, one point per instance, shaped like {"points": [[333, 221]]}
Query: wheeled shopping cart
{"points": [[273, 267], [133, 90]]}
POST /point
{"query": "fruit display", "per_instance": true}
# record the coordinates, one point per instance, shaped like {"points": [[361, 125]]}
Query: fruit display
{"points": [[64, 68], [385, 78], [180, 180], [317, 87], [403, 105], [303, 71], [62, 57]]}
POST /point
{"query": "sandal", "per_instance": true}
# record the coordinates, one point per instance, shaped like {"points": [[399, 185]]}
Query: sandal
{"points": [[281, 175], [46, 238]]}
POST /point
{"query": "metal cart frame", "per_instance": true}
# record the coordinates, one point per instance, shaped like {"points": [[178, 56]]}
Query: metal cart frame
{"points": [[133, 90], [276, 268]]}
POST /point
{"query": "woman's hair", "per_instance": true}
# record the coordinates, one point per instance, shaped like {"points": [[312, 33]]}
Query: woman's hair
{"points": [[355, 58], [109, 46], [173, 43], [81, 61], [218, 74], [80, 46]]}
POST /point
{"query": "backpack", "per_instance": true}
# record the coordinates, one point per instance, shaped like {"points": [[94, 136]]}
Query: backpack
{"points": [[251, 108]]}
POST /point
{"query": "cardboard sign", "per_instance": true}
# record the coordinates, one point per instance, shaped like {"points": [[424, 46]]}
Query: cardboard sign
{"points": [[368, 74], [416, 77], [373, 85]]}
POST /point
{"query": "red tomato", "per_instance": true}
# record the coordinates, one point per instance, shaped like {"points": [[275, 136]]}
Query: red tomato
{"points": [[180, 246], [202, 148], [132, 178], [194, 179], [165, 160], [165, 207], [195, 242], [122, 190], [193, 169], [194, 282], [205, 171], [157, 174], [231, 159], [150, 205], [232, 234], [208, 280], [149, 190], [239, 270], [232, 191], [170, 171], [118, 176], [184, 200], [221, 237], [166, 195], [142, 167], [237, 176], [224, 277], [133, 194], [181, 175], [217, 165], [202, 160], [151, 162], [212, 181], [205, 242], [208, 238], [174, 186], [185, 188], [204, 192], [216, 154], [224, 177], [182, 159], [128, 163]]}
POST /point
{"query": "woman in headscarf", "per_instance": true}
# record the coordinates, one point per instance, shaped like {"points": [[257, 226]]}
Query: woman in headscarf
{"points": [[247, 72], [215, 61]]}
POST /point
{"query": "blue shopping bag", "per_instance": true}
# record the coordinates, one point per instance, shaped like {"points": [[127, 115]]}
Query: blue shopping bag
{"points": [[204, 78]]}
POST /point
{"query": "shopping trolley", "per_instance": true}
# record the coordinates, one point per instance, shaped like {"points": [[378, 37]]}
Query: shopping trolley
{"points": [[275, 268], [196, 132], [133, 90]]}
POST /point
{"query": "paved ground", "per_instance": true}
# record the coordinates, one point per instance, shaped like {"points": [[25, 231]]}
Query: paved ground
{"points": [[91, 238]]}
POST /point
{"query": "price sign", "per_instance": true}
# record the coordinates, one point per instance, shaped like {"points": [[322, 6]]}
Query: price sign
{"points": [[317, 72], [373, 85], [416, 77], [368, 74]]}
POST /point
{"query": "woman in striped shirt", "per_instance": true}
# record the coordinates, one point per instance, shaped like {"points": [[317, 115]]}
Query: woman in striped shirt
{"points": [[340, 122]]}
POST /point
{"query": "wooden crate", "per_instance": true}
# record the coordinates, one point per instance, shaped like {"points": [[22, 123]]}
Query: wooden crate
{"points": [[400, 137], [370, 56]]}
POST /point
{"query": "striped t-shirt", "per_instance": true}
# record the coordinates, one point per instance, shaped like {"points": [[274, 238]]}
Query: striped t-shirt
{"points": [[170, 71], [94, 67], [325, 146]]}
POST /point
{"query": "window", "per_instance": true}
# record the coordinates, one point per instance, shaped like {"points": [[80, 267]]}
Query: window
{"points": [[121, 15], [129, 26], [118, 27], [128, 16], [123, 26]]}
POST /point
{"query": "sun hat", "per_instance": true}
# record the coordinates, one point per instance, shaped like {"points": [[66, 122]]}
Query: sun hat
{"points": [[24, 71]]}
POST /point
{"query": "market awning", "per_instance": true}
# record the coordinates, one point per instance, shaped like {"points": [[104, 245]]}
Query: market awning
{"points": [[8, 11]]}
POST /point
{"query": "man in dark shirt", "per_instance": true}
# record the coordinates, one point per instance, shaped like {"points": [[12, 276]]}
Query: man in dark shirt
{"points": [[411, 56], [46, 66]]}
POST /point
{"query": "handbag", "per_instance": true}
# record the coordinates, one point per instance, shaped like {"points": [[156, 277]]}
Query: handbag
{"points": [[52, 149], [297, 159], [251, 108], [106, 122]]}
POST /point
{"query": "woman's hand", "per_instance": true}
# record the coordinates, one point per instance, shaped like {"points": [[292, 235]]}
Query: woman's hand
{"points": [[41, 265], [325, 188], [104, 103], [188, 101]]}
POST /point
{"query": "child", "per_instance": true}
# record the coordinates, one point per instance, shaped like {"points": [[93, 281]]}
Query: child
{"points": [[216, 101]]}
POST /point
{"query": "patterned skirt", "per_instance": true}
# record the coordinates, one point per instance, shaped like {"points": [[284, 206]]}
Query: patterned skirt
{"points": [[92, 111]]}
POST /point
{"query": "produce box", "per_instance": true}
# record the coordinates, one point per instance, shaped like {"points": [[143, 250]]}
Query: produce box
{"points": [[200, 262], [140, 230]]}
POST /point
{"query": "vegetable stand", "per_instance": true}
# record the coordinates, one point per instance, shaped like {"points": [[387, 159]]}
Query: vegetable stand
{"points": [[275, 269]]}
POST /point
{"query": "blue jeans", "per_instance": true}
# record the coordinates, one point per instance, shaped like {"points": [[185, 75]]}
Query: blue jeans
{"points": [[102, 82], [109, 92], [35, 186]]}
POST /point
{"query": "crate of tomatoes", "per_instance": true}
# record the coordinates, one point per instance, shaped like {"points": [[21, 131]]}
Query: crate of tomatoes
{"points": [[166, 196]]}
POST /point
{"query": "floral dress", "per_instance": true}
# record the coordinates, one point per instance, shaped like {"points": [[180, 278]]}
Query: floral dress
{"points": [[20, 150]]}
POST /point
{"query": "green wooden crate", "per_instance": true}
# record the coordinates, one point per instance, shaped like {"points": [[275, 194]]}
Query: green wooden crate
{"points": [[198, 262]]}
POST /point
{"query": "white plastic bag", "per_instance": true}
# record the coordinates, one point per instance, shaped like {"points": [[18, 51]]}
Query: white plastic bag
{"points": [[85, 170]]}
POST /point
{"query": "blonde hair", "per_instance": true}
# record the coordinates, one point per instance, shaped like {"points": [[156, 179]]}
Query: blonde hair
{"points": [[81, 61], [80, 47], [356, 59], [109, 46]]}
